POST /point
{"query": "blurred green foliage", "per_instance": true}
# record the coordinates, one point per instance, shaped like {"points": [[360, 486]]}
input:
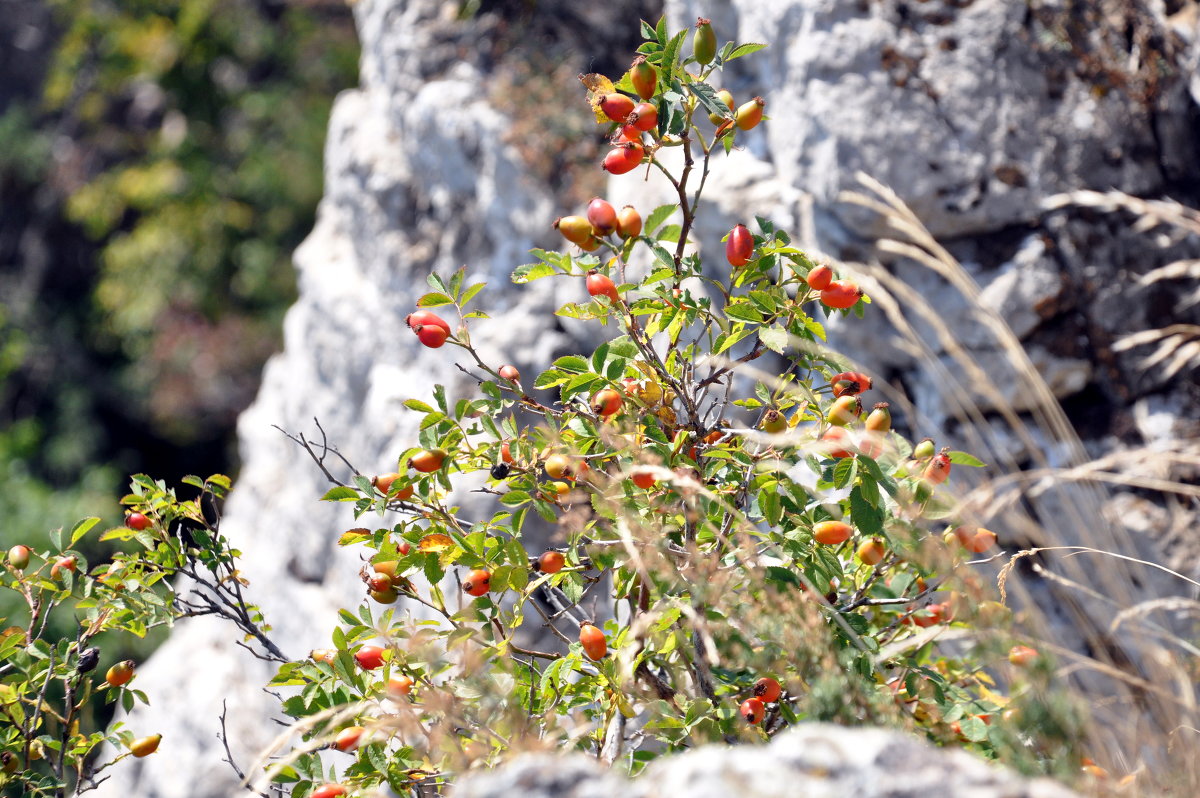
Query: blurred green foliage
{"points": [[155, 186]]}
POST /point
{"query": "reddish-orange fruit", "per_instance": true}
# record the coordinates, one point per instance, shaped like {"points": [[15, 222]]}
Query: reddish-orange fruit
{"points": [[870, 552], [767, 690], [627, 134], [385, 482], [347, 739], [644, 117], [926, 617], [849, 383], [379, 582], [399, 686], [404, 548], [145, 746], [388, 596], [559, 465], [602, 285], [120, 673], [880, 418], [841, 294], [62, 565], [426, 318], [819, 278], [749, 114], [831, 533], [328, 791], [510, 373], [576, 229], [844, 411], [629, 222], [938, 469], [137, 521], [739, 246], [602, 216], [644, 78], [643, 479], [551, 562], [428, 460], [1022, 656], [326, 655], [369, 657], [616, 106], [606, 402], [753, 711], [595, 645], [982, 540], [431, 336], [623, 158], [478, 582], [835, 442], [506, 453]]}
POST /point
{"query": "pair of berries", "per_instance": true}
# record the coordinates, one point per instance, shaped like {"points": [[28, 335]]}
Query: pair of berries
{"points": [[766, 690], [839, 294], [431, 329]]}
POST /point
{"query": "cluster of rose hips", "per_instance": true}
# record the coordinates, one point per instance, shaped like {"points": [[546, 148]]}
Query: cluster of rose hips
{"points": [[765, 691], [635, 119]]}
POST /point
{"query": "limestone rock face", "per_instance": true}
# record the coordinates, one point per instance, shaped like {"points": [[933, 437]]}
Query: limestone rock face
{"points": [[812, 760], [974, 113]]}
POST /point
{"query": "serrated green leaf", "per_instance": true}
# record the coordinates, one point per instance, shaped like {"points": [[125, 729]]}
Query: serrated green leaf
{"points": [[964, 459], [774, 338], [436, 283], [434, 300], [742, 311], [340, 494], [657, 217], [707, 96], [866, 516], [81, 528], [571, 363], [418, 405], [528, 272], [515, 498], [744, 49], [470, 293]]}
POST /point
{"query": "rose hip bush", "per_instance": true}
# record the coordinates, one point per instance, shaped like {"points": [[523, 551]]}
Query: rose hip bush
{"points": [[734, 548]]}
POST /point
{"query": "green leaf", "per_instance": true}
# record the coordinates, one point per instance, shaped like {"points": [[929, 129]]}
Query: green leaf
{"points": [[81, 528], [434, 300], [418, 405], [436, 283], [743, 312], [340, 494], [866, 516], [843, 471], [515, 498], [707, 96], [671, 56], [744, 49], [470, 293], [774, 338], [815, 327], [571, 363], [528, 272], [964, 459], [657, 217]]}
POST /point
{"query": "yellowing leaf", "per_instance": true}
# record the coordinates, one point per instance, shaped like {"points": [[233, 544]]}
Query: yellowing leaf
{"points": [[435, 542], [598, 86]]}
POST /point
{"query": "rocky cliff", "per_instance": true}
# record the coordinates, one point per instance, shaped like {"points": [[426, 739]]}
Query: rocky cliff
{"points": [[975, 113]]}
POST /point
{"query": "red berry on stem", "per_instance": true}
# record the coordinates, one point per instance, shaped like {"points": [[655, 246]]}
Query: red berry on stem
{"points": [[616, 106], [841, 294], [432, 336], [602, 285], [576, 229], [767, 690], [629, 222], [644, 77], [551, 562], [606, 402], [424, 318], [369, 657], [595, 645], [739, 246], [749, 114], [753, 711], [137, 521], [477, 582], [509, 373], [644, 117], [602, 216], [623, 158], [820, 278]]}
